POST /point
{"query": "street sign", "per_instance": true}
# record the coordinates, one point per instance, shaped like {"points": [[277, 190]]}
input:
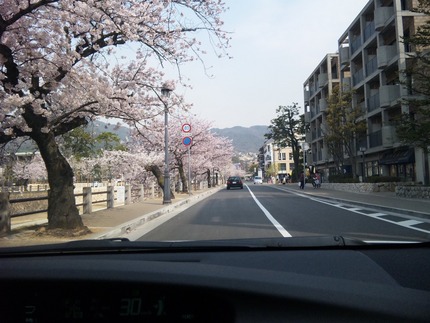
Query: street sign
{"points": [[187, 141], [186, 127]]}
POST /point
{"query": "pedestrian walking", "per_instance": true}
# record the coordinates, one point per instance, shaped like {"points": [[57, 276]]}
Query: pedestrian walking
{"points": [[302, 180], [317, 180]]}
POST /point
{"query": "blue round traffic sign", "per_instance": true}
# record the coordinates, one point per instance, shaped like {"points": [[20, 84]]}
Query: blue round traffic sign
{"points": [[187, 141]]}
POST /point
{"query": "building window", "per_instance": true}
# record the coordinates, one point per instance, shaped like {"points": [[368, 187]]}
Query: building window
{"points": [[290, 156], [283, 167]]}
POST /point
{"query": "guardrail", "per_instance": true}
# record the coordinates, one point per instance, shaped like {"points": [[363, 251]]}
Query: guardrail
{"points": [[87, 199], [131, 194]]}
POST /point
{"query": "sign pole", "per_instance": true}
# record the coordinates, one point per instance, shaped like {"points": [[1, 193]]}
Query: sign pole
{"points": [[187, 141], [189, 170]]}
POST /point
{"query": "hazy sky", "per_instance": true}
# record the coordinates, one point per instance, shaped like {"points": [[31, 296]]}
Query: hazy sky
{"points": [[276, 45]]}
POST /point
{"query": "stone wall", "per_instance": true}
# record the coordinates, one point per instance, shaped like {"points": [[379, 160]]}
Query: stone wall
{"points": [[400, 189], [361, 187], [420, 192]]}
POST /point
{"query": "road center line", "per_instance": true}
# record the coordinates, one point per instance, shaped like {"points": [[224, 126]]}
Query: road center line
{"points": [[279, 227]]}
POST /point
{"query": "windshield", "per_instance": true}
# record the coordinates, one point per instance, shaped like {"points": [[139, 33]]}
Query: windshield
{"points": [[197, 121]]}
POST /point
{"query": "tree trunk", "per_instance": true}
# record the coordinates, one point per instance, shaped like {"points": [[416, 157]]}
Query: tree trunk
{"points": [[184, 179], [296, 159], [5, 223], [208, 172], [156, 171], [62, 210]]}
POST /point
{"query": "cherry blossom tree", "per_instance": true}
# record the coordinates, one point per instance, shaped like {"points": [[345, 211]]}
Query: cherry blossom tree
{"points": [[130, 166], [30, 169], [61, 66], [207, 150]]}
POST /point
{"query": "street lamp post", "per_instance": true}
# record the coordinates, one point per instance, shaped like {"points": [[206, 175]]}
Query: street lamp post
{"points": [[165, 92], [363, 168]]}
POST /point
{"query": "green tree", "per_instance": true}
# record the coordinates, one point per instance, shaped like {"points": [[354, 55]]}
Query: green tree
{"points": [[253, 168], [272, 170], [109, 141], [78, 143], [344, 126], [287, 130], [235, 159], [413, 127]]}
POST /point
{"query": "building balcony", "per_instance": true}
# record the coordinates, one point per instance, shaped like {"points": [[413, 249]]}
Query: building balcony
{"points": [[371, 66], [356, 44], [346, 83], [389, 137], [322, 80], [375, 139], [373, 102], [323, 105], [344, 56], [306, 95], [382, 14], [319, 155], [325, 154], [385, 54], [358, 77], [389, 95], [369, 30]]}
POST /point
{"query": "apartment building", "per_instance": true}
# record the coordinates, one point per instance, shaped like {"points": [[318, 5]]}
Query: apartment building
{"points": [[317, 89], [370, 60], [281, 159]]}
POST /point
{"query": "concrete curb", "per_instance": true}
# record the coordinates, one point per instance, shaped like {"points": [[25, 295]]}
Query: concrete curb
{"points": [[127, 227]]}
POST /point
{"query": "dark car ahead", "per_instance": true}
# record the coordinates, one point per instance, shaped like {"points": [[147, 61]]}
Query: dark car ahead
{"points": [[234, 181]]}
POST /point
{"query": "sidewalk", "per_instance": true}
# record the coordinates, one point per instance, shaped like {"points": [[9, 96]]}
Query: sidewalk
{"points": [[387, 201]]}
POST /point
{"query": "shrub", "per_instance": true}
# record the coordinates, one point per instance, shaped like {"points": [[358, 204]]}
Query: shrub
{"points": [[342, 179], [382, 179]]}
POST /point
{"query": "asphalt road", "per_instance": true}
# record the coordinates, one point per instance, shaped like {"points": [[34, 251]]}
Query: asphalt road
{"points": [[262, 211]]}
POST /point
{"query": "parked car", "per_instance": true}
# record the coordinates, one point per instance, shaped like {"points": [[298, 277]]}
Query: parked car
{"points": [[234, 181], [258, 180]]}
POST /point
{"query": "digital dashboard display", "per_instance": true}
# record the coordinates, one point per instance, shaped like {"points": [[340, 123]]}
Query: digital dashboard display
{"points": [[114, 303]]}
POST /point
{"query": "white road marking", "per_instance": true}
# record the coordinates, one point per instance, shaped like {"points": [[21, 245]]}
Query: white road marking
{"points": [[376, 214], [380, 216], [279, 227], [409, 222]]}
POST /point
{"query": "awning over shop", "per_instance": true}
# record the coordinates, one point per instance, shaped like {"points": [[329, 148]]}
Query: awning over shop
{"points": [[401, 156]]}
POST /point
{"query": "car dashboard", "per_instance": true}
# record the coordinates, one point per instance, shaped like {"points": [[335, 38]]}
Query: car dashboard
{"points": [[361, 283]]}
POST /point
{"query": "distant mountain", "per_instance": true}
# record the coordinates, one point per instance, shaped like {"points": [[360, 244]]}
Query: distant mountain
{"points": [[97, 127], [245, 140]]}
